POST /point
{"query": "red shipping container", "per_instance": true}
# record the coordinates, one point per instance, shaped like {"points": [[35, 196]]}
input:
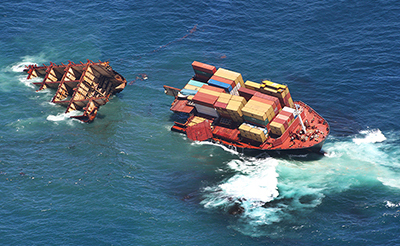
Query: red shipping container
{"points": [[286, 113], [224, 80], [201, 78], [203, 67], [226, 133], [282, 121], [220, 105], [213, 88], [200, 132], [265, 101], [246, 93], [205, 99], [268, 97]]}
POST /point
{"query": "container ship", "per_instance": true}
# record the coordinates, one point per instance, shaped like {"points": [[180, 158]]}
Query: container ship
{"points": [[217, 105]]}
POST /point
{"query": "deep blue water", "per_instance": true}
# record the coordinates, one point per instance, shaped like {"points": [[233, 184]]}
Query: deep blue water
{"points": [[126, 179]]}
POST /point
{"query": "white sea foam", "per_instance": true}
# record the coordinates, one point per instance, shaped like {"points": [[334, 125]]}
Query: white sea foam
{"points": [[19, 67], [231, 150], [270, 189], [390, 204], [371, 136], [64, 117], [254, 184]]}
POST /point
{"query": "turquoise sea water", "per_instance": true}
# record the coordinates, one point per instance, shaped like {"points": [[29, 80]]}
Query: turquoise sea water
{"points": [[126, 179]]}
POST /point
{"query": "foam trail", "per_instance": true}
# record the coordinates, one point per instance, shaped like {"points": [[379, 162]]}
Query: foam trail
{"points": [[272, 190], [232, 150], [254, 184], [63, 117], [371, 136]]}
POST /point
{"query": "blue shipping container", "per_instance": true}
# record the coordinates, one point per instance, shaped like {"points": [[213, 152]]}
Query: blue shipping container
{"points": [[188, 92], [226, 87], [196, 83]]}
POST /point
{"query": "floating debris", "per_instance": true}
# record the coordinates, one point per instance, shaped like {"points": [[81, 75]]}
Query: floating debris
{"points": [[83, 86]]}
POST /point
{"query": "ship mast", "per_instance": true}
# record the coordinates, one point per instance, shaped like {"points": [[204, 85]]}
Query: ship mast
{"points": [[301, 120]]}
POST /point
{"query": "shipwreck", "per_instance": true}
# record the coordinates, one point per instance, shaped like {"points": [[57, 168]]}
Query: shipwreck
{"points": [[79, 86]]}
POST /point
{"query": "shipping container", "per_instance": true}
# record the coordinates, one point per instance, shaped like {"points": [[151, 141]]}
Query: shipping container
{"points": [[191, 87], [226, 133], [252, 85], [205, 99], [276, 128], [196, 120], [228, 74], [282, 121], [187, 92], [199, 66], [225, 80], [247, 93], [224, 98], [209, 92], [227, 87], [210, 111], [196, 83]]}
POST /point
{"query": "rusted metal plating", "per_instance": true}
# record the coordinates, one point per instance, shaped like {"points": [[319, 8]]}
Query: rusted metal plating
{"points": [[83, 86]]}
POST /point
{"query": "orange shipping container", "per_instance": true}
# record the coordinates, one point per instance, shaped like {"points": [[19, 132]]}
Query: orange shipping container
{"points": [[231, 75]]}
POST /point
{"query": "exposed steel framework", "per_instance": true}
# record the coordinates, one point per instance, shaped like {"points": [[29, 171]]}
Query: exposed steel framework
{"points": [[82, 86]]}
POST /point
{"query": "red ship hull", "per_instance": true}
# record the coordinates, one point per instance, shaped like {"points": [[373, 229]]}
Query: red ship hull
{"points": [[289, 143]]}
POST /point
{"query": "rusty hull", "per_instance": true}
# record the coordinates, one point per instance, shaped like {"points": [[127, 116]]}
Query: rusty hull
{"points": [[82, 86]]}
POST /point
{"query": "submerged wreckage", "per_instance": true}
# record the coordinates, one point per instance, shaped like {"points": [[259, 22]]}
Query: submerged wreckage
{"points": [[83, 86]]}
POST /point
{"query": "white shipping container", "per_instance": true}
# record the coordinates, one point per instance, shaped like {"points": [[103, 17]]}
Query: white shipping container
{"points": [[288, 109], [235, 90]]}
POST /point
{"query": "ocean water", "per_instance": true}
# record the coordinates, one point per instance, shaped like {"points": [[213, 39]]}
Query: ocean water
{"points": [[126, 179]]}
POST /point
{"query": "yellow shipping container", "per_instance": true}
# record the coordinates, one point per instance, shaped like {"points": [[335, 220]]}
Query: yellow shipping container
{"points": [[240, 99], [224, 98], [231, 75], [269, 91], [273, 85], [196, 120], [291, 104], [258, 135], [252, 85], [209, 92], [244, 130], [277, 128], [190, 97]]}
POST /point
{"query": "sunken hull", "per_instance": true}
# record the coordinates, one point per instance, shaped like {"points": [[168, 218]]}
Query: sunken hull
{"points": [[246, 123], [83, 86]]}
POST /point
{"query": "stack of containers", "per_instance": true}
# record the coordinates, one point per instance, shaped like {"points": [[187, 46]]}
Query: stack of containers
{"points": [[282, 121], [203, 71], [196, 120], [191, 88], [273, 101], [258, 111], [227, 84], [230, 76], [278, 90], [234, 108], [255, 133], [222, 103], [204, 103], [289, 111], [246, 93], [252, 85]]}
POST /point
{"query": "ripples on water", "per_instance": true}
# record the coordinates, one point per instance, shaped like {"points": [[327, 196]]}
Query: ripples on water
{"points": [[126, 179]]}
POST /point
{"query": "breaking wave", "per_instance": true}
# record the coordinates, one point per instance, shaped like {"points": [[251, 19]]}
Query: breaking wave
{"points": [[64, 117], [370, 136], [267, 191]]}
